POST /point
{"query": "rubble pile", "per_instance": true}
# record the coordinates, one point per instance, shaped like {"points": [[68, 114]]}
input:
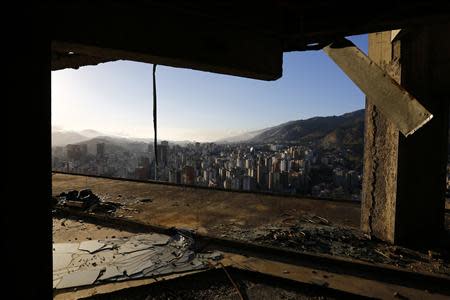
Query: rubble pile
{"points": [[315, 234], [84, 200]]}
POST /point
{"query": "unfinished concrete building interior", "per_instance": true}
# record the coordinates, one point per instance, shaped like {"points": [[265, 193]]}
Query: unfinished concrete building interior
{"points": [[231, 245]]}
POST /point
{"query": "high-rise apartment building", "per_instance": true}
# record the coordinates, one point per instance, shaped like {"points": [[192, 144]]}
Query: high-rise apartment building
{"points": [[100, 150]]}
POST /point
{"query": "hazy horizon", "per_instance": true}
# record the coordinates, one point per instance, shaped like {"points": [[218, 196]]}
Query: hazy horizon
{"points": [[91, 133], [116, 98]]}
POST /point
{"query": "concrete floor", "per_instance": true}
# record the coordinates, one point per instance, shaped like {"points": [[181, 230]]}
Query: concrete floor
{"points": [[204, 210], [244, 216]]}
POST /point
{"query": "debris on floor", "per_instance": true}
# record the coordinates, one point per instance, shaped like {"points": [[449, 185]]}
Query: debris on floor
{"points": [[315, 234], [84, 200], [144, 200], [116, 259]]}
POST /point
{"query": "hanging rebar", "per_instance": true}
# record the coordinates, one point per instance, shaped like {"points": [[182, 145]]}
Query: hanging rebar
{"points": [[155, 145]]}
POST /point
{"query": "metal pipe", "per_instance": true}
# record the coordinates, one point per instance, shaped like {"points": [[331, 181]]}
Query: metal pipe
{"points": [[155, 145]]}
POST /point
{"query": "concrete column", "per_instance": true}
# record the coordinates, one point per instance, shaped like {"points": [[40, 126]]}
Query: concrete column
{"points": [[404, 178]]}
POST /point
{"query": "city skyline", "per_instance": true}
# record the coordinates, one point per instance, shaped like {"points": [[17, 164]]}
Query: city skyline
{"points": [[302, 169], [283, 159], [116, 98]]}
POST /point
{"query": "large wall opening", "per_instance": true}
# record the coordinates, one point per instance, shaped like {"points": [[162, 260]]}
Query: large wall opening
{"points": [[300, 135]]}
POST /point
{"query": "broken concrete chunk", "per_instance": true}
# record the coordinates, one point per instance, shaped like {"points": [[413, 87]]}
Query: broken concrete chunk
{"points": [[79, 278], [65, 247], [91, 246], [154, 238], [55, 282], [133, 246], [61, 260], [110, 272]]}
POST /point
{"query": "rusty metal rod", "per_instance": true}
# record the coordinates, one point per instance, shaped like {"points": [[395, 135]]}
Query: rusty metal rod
{"points": [[232, 281]]}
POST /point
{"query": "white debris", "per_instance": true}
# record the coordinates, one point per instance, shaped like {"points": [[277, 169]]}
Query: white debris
{"points": [[91, 246], [65, 247], [79, 278], [61, 260], [100, 261]]}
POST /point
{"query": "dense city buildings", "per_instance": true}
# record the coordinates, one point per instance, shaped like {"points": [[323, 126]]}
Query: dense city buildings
{"points": [[306, 169]]}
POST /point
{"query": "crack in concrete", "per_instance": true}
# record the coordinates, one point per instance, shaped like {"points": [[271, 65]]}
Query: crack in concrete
{"points": [[374, 169]]}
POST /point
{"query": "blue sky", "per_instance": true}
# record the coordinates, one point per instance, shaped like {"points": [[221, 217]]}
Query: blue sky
{"points": [[116, 98]]}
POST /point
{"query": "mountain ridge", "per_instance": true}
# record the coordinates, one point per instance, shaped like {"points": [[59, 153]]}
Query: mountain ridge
{"points": [[346, 130], [64, 137], [330, 131]]}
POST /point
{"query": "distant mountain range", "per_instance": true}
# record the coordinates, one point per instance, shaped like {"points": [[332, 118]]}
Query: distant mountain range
{"points": [[346, 130], [88, 136], [63, 137], [241, 137], [332, 131]]}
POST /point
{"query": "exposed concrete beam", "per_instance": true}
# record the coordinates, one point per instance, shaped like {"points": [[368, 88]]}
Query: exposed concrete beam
{"points": [[165, 37], [222, 36], [239, 57], [391, 99]]}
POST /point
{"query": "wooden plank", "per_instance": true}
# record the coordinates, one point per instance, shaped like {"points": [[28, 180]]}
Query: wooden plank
{"points": [[391, 99], [357, 285]]}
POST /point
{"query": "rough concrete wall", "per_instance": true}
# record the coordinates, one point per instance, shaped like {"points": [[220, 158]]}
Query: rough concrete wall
{"points": [[380, 153], [404, 178]]}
